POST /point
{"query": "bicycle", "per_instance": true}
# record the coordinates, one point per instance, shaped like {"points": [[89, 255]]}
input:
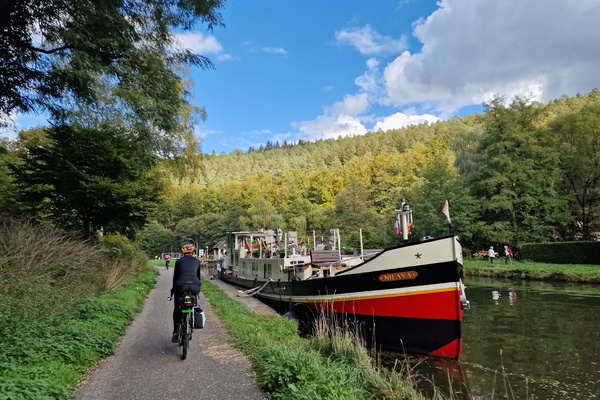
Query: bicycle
{"points": [[186, 324]]}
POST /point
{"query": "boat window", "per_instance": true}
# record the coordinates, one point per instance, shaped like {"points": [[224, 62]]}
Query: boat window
{"points": [[267, 270]]}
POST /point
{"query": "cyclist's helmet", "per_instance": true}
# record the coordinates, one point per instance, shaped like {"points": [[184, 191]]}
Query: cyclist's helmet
{"points": [[188, 249]]}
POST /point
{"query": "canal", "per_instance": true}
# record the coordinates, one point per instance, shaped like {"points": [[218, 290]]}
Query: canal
{"points": [[523, 340]]}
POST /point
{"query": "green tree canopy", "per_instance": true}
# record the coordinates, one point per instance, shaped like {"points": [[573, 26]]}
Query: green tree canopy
{"points": [[88, 180], [577, 137], [516, 183], [54, 49]]}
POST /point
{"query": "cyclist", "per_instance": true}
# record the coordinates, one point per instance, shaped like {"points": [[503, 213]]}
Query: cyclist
{"points": [[186, 278]]}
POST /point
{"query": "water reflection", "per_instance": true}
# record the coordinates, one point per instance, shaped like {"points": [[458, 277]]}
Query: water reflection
{"points": [[529, 340], [522, 340]]}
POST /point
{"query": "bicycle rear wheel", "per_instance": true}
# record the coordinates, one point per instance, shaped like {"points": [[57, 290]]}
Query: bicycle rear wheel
{"points": [[185, 338]]}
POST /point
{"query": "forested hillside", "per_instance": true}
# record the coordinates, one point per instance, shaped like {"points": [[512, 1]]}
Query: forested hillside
{"points": [[519, 172]]}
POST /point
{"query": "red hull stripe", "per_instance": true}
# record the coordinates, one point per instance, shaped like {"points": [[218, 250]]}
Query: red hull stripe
{"points": [[451, 350], [442, 304]]}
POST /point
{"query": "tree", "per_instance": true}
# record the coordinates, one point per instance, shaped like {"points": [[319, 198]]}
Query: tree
{"points": [[577, 137], [88, 180], [517, 179], [262, 215], [155, 239], [354, 211], [54, 49], [7, 184]]}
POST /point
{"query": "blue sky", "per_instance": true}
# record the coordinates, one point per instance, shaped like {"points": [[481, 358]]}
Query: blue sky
{"points": [[290, 70]]}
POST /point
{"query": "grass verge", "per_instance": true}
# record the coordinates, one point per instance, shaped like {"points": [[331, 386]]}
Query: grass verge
{"points": [[48, 358], [573, 273], [291, 367]]}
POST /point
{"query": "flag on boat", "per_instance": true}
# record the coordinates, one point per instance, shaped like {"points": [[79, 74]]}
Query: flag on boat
{"points": [[446, 211], [397, 225]]}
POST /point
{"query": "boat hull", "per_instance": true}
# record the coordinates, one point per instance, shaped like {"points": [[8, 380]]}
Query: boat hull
{"points": [[412, 307]]}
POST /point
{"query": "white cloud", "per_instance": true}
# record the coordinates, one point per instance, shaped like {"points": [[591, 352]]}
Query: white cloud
{"points": [[227, 57], [199, 43], [275, 50], [473, 49], [331, 126], [401, 120], [371, 80], [340, 119], [368, 41], [351, 105]]}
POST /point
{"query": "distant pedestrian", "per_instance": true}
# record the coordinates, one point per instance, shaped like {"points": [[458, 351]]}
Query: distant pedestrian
{"points": [[492, 254], [508, 255], [167, 260]]}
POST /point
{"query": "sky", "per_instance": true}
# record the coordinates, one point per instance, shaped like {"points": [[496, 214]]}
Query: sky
{"points": [[317, 69]]}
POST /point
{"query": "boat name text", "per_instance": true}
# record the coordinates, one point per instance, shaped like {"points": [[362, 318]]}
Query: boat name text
{"points": [[398, 276]]}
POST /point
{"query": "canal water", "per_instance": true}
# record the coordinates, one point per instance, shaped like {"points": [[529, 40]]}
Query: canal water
{"points": [[523, 340]]}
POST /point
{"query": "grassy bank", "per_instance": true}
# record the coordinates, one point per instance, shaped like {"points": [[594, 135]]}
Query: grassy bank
{"points": [[295, 368], [65, 303], [573, 273], [48, 358]]}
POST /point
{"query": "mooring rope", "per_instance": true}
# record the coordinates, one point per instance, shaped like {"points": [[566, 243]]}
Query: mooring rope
{"points": [[253, 291]]}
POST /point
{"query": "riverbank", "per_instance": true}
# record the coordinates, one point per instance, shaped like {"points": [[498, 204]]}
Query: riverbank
{"points": [[572, 273], [291, 367]]}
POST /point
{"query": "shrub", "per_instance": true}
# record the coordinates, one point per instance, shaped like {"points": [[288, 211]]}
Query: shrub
{"points": [[562, 252]]}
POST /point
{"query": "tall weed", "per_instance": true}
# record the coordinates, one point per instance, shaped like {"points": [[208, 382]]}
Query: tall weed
{"points": [[290, 367], [57, 295]]}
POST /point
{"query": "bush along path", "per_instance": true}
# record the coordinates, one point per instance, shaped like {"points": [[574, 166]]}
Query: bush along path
{"points": [[49, 356]]}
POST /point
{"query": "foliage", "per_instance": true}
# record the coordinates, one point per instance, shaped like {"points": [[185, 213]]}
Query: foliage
{"points": [[511, 175], [576, 134], [294, 368], [562, 253], [155, 239], [89, 180], [41, 262], [63, 344], [54, 49], [501, 171], [517, 178], [7, 186]]}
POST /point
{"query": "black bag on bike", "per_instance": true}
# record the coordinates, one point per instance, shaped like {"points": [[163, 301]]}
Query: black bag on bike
{"points": [[199, 318]]}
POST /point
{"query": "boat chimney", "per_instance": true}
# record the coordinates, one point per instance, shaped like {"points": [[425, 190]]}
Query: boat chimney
{"points": [[405, 216]]}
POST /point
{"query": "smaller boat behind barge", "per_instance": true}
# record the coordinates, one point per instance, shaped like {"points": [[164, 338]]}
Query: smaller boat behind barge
{"points": [[406, 299]]}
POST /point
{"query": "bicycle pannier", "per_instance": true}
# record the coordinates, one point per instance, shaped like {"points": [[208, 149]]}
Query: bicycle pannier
{"points": [[199, 318]]}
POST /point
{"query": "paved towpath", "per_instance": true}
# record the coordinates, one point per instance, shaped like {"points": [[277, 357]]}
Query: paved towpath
{"points": [[148, 366]]}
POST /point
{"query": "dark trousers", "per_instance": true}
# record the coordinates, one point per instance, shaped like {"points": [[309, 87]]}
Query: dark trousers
{"points": [[177, 294]]}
